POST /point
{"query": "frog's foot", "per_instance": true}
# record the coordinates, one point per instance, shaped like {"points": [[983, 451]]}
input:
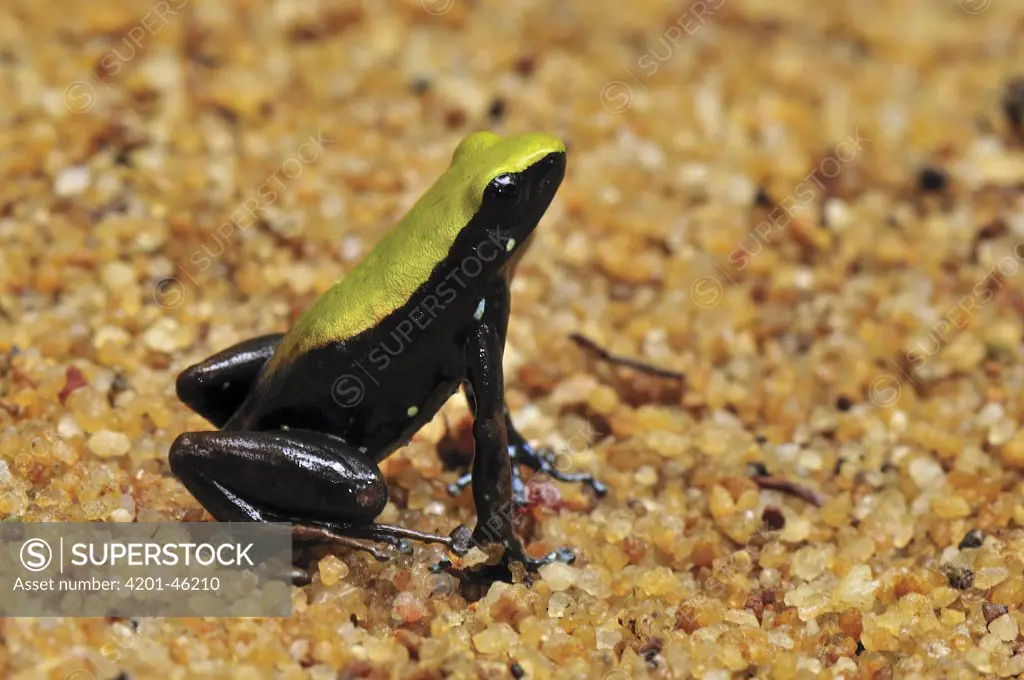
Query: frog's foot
{"points": [[313, 533], [458, 541], [564, 555], [395, 536], [499, 529], [502, 571], [544, 461]]}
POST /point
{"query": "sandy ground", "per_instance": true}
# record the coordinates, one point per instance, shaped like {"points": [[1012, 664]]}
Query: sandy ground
{"points": [[811, 210]]}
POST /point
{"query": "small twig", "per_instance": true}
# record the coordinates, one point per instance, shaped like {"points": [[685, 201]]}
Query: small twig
{"points": [[813, 497], [604, 355]]}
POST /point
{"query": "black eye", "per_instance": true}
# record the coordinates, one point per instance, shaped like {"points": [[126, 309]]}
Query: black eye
{"points": [[503, 189]]}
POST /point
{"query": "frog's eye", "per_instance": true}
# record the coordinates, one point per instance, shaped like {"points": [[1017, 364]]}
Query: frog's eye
{"points": [[502, 190]]}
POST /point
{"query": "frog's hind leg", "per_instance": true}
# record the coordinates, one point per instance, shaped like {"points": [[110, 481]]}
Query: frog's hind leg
{"points": [[216, 387], [328, 490]]}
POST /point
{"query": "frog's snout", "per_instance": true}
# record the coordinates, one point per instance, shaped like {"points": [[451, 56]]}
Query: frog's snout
{"points": [[551, 170]]}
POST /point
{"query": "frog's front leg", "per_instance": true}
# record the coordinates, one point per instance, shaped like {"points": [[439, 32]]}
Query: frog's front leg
{"points": [[326, 488], [492, 466]]}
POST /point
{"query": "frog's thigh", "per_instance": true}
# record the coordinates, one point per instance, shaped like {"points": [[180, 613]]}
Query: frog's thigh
{"points": [[279, 476], [216, 387]]}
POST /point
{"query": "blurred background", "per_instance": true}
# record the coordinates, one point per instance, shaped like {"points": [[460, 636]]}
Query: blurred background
{"points": [[812, 210]]}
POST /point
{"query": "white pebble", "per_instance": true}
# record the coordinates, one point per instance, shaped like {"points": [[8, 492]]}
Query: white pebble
{"points": [[927, 473], [107, 443], [121, 515], [162, 336], [72, 181], [351, 248], [67, 428], [990, 415], [837, 214], [1005, 628]]}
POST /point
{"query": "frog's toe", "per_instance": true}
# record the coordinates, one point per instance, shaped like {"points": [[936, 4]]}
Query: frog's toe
{"points": [[459, 485], [535, 563], [545, 461], [599, 487], [521, 499], [461, 540], [564, 555], [520, 490], [442, 565], [299, 576]]}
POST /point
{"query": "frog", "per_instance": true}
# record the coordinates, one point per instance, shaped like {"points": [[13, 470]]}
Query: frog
{"points": [[305, 417]]}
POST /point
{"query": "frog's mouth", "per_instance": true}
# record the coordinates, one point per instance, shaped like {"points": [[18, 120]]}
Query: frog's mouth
{"points": [[548, 175], [541, 181]]}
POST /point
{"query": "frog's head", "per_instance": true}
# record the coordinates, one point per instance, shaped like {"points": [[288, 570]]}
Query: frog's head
{"points": [[477, 217], [508, 183]]}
